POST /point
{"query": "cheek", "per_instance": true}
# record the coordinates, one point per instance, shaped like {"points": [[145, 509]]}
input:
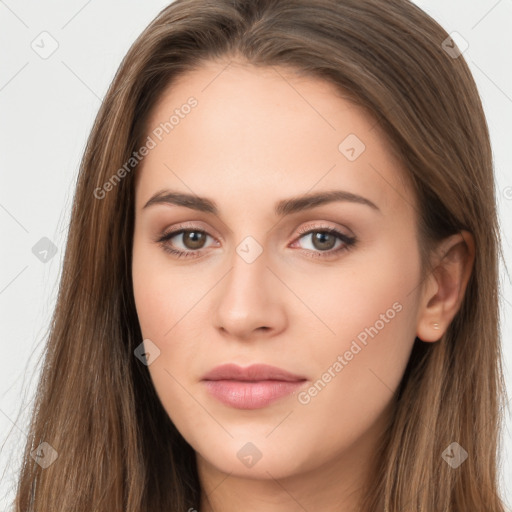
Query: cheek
{"points": [[369, 290], [162, 302], [152, 301], [168, 304], [372, 313], [370, 309], [161, 292]]}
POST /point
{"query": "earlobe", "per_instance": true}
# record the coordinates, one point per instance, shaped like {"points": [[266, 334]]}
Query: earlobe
{"points": [[445, 286]]}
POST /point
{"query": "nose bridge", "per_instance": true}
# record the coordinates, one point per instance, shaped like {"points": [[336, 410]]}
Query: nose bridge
{"points": [[248, 275], [248, 300]]}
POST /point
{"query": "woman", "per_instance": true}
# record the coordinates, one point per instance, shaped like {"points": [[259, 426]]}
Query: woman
{"points": [[280, 286]]}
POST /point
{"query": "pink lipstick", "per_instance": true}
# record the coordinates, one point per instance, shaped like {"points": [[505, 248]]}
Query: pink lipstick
{"points": [[252, 387]]}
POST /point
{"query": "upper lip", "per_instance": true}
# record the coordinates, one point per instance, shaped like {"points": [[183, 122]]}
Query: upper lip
{"points": [[254, 372]]}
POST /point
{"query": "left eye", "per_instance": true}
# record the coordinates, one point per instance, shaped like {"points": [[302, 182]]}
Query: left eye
{"points": [[321, 240], [192, 240]]}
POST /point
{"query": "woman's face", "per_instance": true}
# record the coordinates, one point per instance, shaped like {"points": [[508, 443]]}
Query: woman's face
{"points": [[261, 280]]}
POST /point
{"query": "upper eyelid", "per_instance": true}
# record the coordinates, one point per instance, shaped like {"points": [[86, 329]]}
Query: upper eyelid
{"points": [[302, 230], [309, 227]]}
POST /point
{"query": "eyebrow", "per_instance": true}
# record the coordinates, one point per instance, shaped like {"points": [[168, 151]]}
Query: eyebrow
{"points": [[282, 207]]}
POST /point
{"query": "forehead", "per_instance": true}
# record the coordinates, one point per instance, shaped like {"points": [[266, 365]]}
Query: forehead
{"points": [[268, 132]]}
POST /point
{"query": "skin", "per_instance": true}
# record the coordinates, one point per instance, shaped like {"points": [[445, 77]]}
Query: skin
{"points": [[252, 141]]}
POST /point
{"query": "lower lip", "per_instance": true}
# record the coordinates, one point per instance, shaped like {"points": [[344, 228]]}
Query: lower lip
{"points": [[250, 395]]}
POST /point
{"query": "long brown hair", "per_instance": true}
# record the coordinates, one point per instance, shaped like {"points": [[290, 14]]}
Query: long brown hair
{"points": [[96, 405]]}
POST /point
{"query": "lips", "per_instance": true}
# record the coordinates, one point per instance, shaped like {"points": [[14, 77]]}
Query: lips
{"points": [[255, 372], [252, 387]]}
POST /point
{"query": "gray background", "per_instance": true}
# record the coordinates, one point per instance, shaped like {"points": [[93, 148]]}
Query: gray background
{"points": [[47, 107]]}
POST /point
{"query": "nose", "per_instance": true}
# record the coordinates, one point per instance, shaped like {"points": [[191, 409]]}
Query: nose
{"points": [[250, 300]]}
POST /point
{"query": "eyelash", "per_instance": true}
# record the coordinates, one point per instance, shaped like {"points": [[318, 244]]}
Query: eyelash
{"points": [[348, 242]]}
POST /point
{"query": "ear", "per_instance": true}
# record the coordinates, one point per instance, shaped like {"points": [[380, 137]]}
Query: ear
{"points": [[444, 287]]}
